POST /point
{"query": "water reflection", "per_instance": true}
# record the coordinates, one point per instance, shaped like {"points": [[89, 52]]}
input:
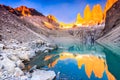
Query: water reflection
{"points": [[77, 66], [78, 62]]}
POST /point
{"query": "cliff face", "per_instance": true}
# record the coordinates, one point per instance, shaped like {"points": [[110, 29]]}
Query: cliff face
{"points": [[108, 5], [112, 18], [111, 36], [97, 14], [87, 14]]}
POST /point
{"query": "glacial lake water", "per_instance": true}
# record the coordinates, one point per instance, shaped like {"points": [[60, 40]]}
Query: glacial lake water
{"points": [[80, 62]]}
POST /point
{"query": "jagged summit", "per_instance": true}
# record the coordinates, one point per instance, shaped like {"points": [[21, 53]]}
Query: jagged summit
{"points": [[87, 13], [25, 11], [91, 17], [108, 5], [94, 16], [10, 9], [79, 19], [22, 11], [97, 14]]}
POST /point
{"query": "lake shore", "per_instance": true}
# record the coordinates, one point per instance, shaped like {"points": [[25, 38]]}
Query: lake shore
{"points": [[12, 55]]}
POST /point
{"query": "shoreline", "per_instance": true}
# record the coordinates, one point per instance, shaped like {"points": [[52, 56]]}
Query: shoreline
{"points": [[12, 55]]}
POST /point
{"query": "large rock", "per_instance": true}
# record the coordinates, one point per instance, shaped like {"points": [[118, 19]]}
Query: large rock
{"points": [[108, 5], [112, 18], [111, 36], [43, 75]]}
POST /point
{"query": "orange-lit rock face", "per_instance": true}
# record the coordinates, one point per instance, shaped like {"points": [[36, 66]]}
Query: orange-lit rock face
{"points": [[92, 63], [97, 14], [24, 10], [79, 19], [87, 14], [94, 16], [51, 17], [108, 5], [91, 17]]}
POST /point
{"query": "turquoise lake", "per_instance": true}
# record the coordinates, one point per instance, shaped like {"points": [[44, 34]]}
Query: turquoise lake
{"points": [[80, 62]]}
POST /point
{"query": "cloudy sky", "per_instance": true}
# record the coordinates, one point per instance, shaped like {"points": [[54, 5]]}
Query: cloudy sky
{"points": [[63, 10]]}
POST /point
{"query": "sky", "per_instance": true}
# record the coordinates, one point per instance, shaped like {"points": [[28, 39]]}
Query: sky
{"points": [[63, 10]]}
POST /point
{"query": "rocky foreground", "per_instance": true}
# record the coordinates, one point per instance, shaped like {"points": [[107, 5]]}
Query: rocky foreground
{"points": [[12, 55]]}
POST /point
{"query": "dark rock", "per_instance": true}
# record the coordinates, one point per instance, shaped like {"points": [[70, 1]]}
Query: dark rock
{"points": [[0, 37], [111, 34], [112, 18], [10, 9]]}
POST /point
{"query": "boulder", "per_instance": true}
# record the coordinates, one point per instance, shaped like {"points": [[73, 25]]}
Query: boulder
{"points": [[18, 72], [43, 75], [8, 64], [112, 17], [1, 46]]}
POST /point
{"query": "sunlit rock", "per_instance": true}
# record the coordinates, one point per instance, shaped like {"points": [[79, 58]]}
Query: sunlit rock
{"points": [[108, 5], [79, 19], [87, 14], [24, 11], [97, 14], [51, 17]]}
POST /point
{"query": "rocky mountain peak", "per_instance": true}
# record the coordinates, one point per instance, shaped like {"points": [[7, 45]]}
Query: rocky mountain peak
{"points": [[87, 13], [22, 11], [79, 19], [10, 9], [25, 11], [108, 5], [91, 17], [52, 18], [113, 17], [97, 14]]}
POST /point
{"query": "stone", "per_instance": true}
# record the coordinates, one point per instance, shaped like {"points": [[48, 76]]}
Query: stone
{"points": [[112, 18], [13, 57], [1, 46], [8, 64], [20, 64], [43, 75], [18, 72]]}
